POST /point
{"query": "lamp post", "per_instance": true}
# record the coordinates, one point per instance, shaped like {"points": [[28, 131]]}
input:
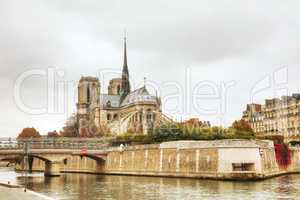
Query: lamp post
{"points": [[26, 149]]}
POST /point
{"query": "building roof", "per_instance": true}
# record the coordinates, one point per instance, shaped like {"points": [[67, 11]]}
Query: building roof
{"points": [[107, 100], [140, 95], [88, 78]]}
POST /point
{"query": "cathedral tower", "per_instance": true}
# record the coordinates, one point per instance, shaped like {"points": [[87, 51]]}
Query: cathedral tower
{"points": [[114, 87], [88, 113]]}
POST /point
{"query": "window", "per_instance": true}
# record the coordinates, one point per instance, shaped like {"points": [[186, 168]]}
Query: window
{"points": [[149, 115], [118, 89], [108, 104], [115, 116], [243, 167], [108, 117], [88, 94]]}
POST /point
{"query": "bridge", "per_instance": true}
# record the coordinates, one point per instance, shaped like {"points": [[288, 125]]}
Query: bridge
{"points": [[52, 151]]}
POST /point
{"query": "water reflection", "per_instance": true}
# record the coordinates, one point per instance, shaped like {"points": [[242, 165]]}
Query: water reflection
{"points": [[85, 186]]}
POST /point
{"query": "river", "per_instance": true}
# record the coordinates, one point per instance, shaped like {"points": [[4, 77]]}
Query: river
{"points": [[107, 187]]}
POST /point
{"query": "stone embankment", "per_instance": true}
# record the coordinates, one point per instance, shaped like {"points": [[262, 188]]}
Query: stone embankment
{"points": [[16, 192], [220, 159]]}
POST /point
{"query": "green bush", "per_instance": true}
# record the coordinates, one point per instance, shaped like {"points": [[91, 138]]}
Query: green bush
{"points": [[294, 143], [173, 132]]}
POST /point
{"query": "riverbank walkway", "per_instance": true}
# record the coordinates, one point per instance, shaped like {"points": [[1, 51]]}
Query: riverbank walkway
{"points": [[8, 193]]}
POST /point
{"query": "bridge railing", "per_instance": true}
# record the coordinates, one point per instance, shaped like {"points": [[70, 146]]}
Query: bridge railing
{"points": [[55, 143]]}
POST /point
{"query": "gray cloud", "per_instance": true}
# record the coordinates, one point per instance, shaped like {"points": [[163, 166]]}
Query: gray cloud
{"points": [[221, 41]]}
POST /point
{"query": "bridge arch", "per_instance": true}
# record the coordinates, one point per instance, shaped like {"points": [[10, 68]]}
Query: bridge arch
{"points": [[94, 157], [49, 156], [96, 160], [40, 157], [52, 164], [12, 159]]}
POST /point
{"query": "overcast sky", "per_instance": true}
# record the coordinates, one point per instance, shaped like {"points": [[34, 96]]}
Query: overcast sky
{"points": [[207, 59]]}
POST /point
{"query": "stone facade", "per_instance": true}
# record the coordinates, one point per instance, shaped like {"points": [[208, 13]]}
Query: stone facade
{"points": [[114, 87], [119, 111], [275, 117]]}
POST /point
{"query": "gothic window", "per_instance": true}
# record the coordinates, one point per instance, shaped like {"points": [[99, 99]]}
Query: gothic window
{"points": [[88, 94], [108, 117], [141, 117], [108, 104], [115, 116], [118, 89], [149, 115]]}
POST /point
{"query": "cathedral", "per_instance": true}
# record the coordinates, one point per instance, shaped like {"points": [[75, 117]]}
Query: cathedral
{"points": [[119, 111]]}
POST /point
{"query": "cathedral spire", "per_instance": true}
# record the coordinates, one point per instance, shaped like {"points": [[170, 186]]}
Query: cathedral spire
{"points": [[125, 86], [125, 53]]}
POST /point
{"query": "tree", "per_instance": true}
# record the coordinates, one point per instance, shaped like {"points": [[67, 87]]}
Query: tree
{"points": [[242, 125], [71, 128], [29, 133], [69, 131], [52, 134], [104, 130]]}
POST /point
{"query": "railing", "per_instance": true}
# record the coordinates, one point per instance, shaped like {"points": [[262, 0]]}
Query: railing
{"points": [[55, 143]]}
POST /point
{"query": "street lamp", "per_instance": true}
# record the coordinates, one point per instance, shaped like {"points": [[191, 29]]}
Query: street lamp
{"points": [[26, 149]]}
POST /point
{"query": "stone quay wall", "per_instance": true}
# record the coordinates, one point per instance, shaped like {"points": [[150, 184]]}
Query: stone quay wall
{"points": [[220, 159]]}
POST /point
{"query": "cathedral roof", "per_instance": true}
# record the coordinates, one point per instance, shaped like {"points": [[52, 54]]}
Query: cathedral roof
{"points": [[107, 100], [139, 95]]}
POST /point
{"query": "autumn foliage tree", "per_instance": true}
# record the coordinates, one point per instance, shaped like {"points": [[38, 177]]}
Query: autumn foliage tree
{"points": [[53, 134], [195, 123], [69, 131], [71, 127], [29, 133], [242, 125]]}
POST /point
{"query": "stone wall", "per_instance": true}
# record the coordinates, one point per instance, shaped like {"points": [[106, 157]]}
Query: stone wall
{"points": [[234, 159], [295, 165], [158, 161], [229, 156], [227, 159]]}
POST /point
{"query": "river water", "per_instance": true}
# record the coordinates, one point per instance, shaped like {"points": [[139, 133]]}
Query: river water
{"points": [[106, 187]]}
